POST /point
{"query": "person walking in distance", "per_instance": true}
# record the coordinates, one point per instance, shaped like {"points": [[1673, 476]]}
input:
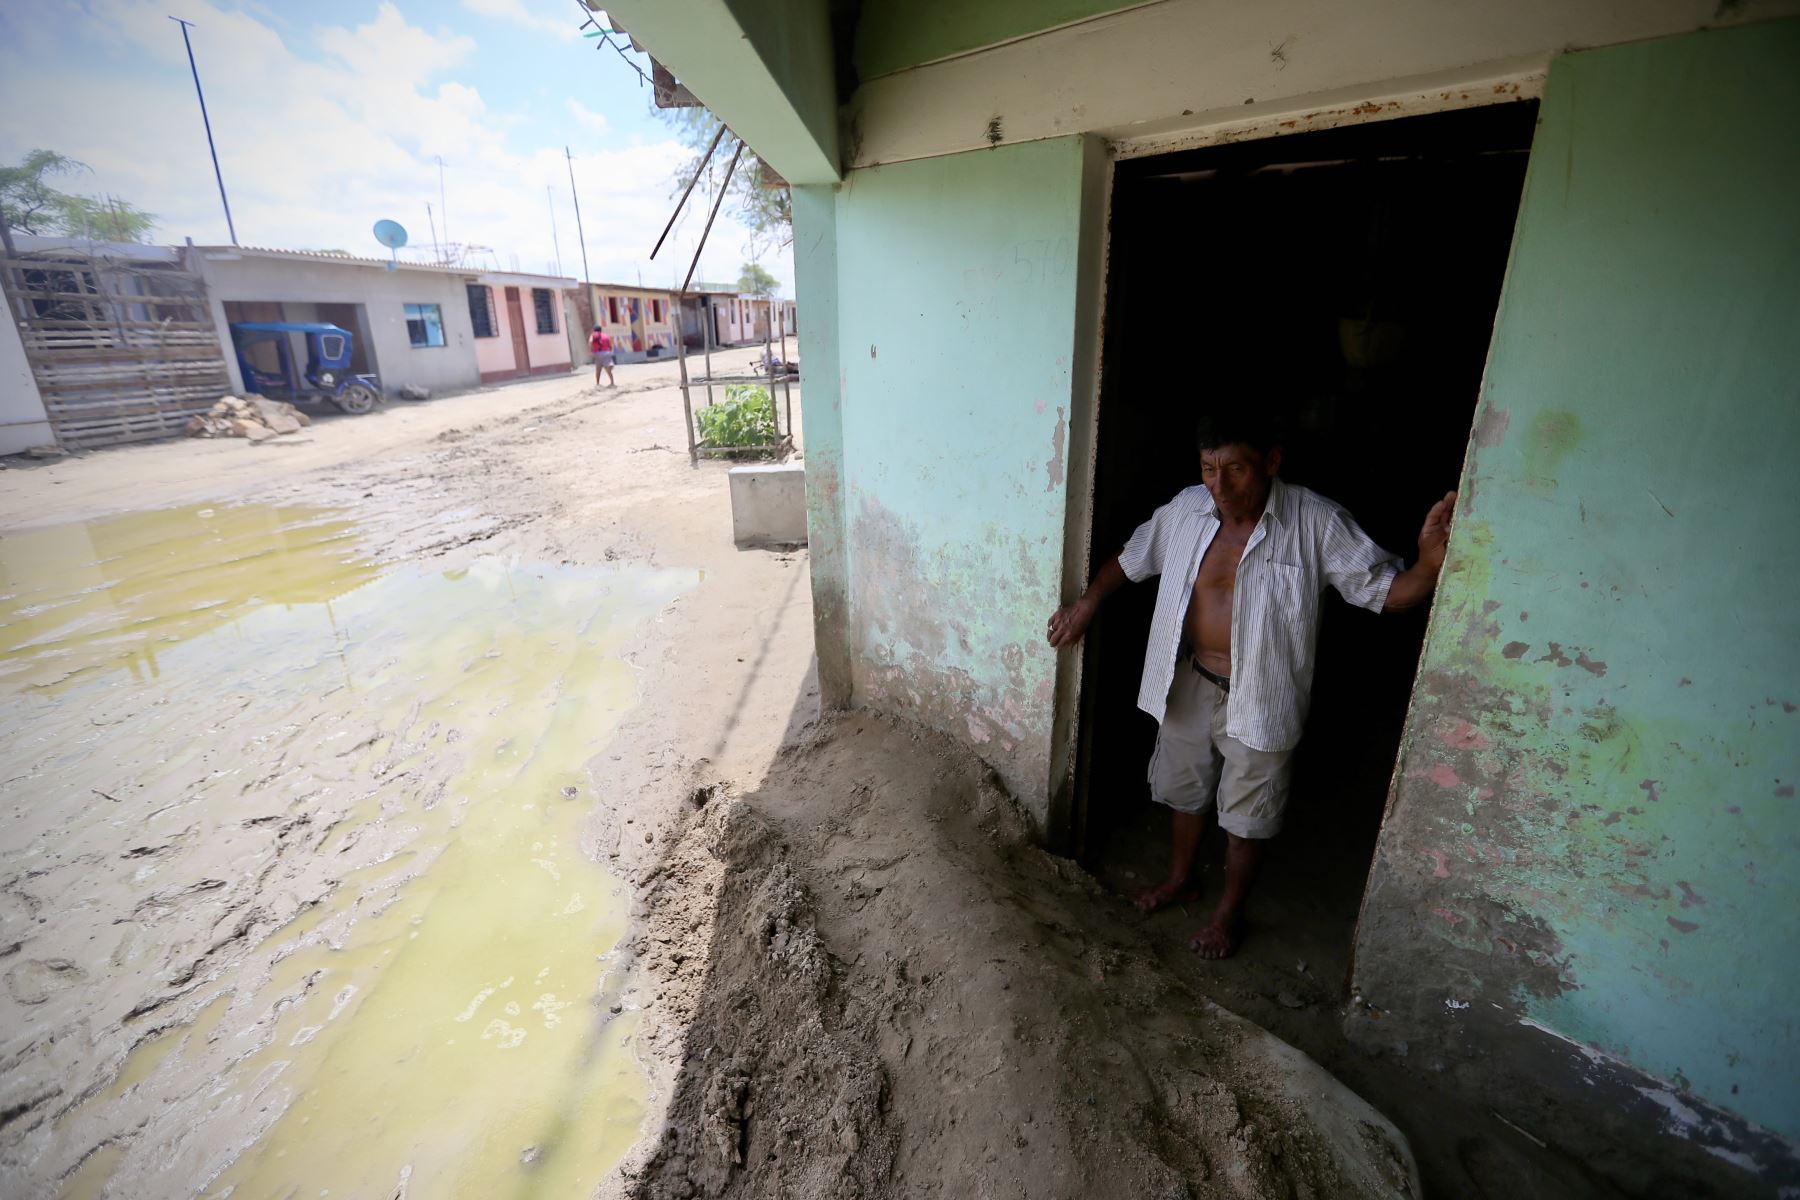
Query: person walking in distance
{"points": [[1244, 560], [601, 343]]}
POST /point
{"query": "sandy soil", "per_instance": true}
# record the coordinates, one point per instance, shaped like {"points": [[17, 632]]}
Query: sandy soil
{"points": [[889, 991]]}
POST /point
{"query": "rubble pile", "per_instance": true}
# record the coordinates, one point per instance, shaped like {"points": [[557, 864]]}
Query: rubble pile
{"points": [[253, 417]]}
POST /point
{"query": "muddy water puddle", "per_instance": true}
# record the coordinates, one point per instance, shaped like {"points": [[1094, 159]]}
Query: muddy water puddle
{"points": [[295, 854]]}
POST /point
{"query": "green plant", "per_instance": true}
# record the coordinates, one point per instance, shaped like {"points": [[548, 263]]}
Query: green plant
{"points": [[746, 417]]}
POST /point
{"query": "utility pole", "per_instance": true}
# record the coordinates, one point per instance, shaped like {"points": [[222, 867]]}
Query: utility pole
{"points": [[443, 207], [579, 234], [207, 121], [551, 201]]}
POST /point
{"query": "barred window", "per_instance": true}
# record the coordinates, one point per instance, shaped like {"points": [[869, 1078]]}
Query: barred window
{"points": [[544, 301], [481, 311]]}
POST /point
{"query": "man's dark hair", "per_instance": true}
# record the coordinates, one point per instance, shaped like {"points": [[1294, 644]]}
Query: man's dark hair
{"points": [[1233, 424]]}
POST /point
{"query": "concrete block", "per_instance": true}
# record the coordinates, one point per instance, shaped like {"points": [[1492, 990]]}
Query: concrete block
{"points": [[768, 505]]}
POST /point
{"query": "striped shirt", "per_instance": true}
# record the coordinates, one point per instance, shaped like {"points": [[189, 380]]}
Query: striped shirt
{"points": [[1301, 543]]}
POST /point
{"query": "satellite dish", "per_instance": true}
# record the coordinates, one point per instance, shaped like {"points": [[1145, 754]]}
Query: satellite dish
{"points": [[391, 234]]}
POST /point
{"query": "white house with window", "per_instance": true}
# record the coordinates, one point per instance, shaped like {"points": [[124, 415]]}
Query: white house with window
{"points": [[442, 328], [519, 324], [409, 325]]}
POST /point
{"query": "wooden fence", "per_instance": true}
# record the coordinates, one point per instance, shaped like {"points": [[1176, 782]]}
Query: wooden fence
{"points": [[123, 350]]}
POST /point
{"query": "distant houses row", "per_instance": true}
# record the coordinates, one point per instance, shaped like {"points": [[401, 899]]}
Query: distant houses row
{"points": [[112, 342]]}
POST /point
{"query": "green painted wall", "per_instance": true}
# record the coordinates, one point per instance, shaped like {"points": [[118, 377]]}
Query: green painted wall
{"points": [[1593, 834], [956, 308], [816, 284], [892, 35]]}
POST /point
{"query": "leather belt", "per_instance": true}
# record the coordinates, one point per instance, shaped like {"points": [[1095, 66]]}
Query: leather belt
{"points": [[1222, 682]]}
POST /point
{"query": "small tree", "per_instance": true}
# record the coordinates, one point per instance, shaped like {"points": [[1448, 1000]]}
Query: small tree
{"points": [[754, 281], [29, 204]]}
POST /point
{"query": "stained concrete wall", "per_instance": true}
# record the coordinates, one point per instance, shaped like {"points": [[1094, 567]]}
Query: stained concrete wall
{"points": [[939, 465], [1587, 889]]}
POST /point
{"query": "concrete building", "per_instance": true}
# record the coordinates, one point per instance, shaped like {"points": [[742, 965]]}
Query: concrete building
{"points": [[439, 327], [521, 325], [411, 323], [1453, 252], [732, 315], [639, 320]]}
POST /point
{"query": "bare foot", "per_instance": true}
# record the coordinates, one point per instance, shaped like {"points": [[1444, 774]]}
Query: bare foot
{"points": [[1217, 940], [1161, 896]]}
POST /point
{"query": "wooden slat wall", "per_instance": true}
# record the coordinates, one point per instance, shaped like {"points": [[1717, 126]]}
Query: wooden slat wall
{"points": [[122, 351]]}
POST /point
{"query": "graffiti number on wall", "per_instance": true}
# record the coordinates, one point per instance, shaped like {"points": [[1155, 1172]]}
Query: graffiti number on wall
{"points": [[1033, 262], [1040, 260]]}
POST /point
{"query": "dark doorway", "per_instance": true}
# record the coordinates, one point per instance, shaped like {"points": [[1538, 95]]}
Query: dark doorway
{"points": [[1349, 280]]}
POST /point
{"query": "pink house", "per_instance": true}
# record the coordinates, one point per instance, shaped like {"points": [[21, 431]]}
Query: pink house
{"points": [[521, 325]]}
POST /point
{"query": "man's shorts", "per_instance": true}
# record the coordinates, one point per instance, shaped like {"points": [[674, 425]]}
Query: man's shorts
{"points": [[1196, 764], [604, 358]]}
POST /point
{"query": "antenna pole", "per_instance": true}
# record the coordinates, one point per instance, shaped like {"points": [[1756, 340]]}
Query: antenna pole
{"points": [[436, 250], [579, 234], [443, 207], [551, 201], [207, 121]]}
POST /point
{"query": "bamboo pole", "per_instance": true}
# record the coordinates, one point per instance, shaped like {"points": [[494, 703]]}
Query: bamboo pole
{"points": [[687, 405]]}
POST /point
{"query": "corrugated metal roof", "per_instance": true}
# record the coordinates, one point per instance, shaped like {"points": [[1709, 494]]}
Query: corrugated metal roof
{"points": [[528, 279], [216, 253]]}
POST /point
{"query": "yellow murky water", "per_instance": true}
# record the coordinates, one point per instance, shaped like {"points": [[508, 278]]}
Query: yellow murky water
{"points": [[102, 594], [442, 1019]]}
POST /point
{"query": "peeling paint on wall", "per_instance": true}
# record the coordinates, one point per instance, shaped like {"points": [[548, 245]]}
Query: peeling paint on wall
{"points": [[1585, 834], [954, 473]]}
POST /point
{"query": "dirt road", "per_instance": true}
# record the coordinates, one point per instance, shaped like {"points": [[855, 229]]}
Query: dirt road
{"points": [[318, 756]]}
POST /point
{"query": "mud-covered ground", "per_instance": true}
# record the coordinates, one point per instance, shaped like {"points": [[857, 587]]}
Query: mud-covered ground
{"points": [[312, 741]]}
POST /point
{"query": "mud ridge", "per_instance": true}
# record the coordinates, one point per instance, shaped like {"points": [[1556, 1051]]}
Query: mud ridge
{"points": [[868, 982]]}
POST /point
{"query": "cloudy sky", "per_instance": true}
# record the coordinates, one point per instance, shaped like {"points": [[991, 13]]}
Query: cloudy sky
{"points": [[330, 115]]}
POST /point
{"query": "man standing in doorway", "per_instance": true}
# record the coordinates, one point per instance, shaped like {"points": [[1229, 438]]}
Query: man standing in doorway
{"points": [[601, 343], [1244, 561]]}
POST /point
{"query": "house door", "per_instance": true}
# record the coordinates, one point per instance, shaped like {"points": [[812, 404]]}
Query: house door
{"points": [[1354, 306], [515, 321]]}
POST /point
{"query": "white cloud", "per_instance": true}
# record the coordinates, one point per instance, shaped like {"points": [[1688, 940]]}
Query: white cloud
{"points": [[315, 149], [588, 119], [564, 25]]}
